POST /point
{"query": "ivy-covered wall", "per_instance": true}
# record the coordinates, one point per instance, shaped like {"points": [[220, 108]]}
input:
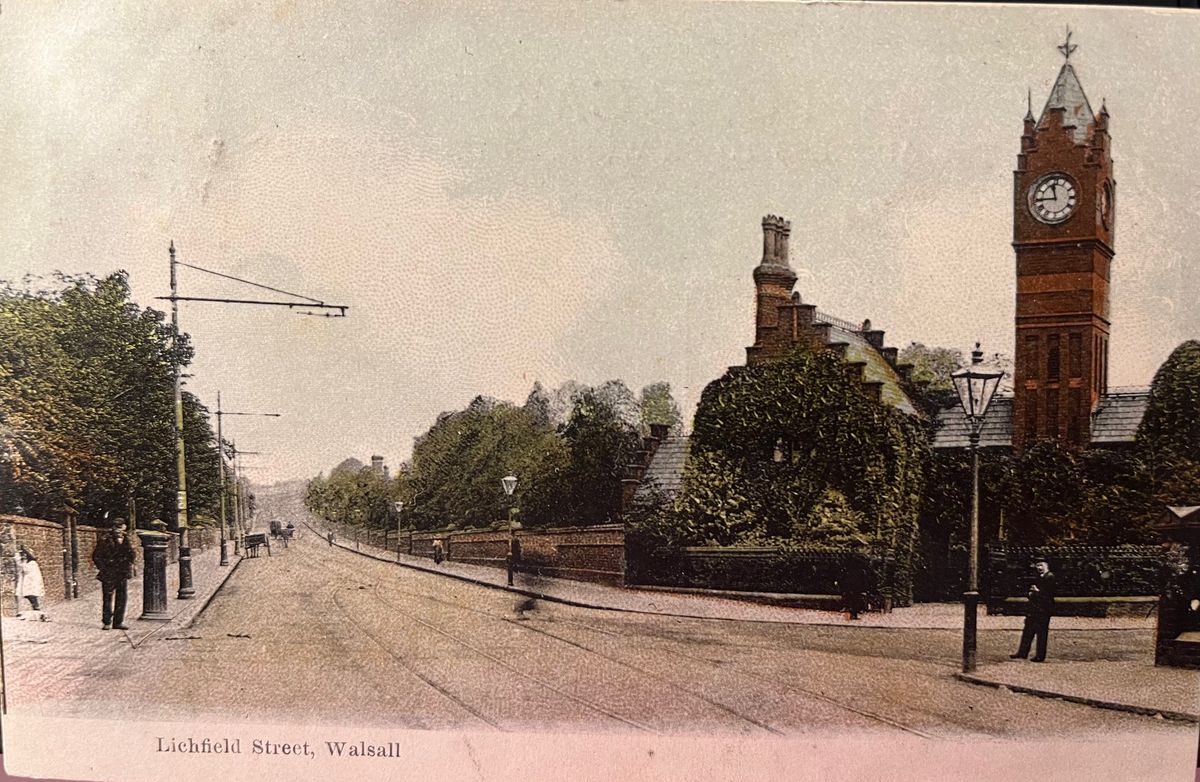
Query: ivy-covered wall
{"points": [[791, 455]]}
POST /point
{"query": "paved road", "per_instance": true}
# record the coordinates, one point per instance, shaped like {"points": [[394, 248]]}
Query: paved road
{"points": [[323, 636]]}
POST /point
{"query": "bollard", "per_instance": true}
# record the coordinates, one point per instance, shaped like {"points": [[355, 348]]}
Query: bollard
{"points": [[154, 573]]}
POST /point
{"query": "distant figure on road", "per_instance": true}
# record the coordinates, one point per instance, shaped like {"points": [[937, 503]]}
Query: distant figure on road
{"points": [[113, 558], [854, 584], [439, 552], [330, 537], [1037, 619], [30, 585]]}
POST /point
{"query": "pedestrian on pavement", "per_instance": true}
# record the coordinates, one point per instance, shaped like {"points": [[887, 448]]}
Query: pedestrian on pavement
{"points": [[329, 537], [30, 585], [853, 583], [113, 558], [439, 551], [1037, 618]]}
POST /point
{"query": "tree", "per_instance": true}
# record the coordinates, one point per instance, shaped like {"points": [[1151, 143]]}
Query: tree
{"points": [[457, 466], [87, 403], [932, 366], [540, 407], [1045, 492], [659, 407], [601, 443], [1169, 433]]}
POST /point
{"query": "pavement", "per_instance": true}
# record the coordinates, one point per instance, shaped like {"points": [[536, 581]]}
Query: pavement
{"points": [[1136, 686], [78, 620]]}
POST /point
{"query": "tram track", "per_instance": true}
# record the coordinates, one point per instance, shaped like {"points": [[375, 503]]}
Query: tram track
{"points": [[803, 691], [474, 649], [724, 670]]}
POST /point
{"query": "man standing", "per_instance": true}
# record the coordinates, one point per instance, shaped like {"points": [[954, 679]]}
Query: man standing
{"points": [[1037, 619], [853, 583], [113, 558]]}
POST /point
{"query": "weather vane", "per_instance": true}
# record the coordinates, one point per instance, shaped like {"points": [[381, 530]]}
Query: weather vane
{"points": [[1067, 47]]}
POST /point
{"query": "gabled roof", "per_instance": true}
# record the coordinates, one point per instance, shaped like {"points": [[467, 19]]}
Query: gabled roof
{"points": [[1118, 415], [1115, 421], [666, 466], [1067, 94], [877, 369], [952, 430]]}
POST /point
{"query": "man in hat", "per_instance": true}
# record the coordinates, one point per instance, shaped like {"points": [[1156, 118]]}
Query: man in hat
{"points": [[113, 558], [1037, 618]]}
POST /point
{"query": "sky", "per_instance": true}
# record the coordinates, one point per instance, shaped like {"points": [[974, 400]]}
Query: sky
{"points": [[503, 193]]}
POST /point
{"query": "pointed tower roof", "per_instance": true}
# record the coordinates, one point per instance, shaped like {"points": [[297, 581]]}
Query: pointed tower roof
{"points": [[1067, 94]]}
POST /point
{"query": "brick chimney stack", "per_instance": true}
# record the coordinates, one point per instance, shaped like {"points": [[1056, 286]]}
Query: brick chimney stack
{"points": [[773, 278]]}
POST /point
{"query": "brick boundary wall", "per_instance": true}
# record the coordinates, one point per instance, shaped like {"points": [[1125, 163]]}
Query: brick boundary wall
{"points": [[51, 543], [594, 554]]}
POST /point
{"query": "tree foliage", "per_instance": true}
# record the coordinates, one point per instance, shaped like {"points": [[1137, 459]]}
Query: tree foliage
{"points": [[569, 449], [361, 497], [87, 404], [1169, 434], [659, 407]]}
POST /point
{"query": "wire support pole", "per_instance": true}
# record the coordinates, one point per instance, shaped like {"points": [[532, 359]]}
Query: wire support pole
{"points": [[186, 590]]}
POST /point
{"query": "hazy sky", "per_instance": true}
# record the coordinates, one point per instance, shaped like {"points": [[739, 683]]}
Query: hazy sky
{"points": [[507, 193]]}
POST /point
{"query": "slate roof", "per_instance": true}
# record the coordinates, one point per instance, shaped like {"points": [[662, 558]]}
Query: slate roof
{"points": [[1118, 415], [1115, 421], [877, 368], [1067, 94], [952, 431], [666, 467]]}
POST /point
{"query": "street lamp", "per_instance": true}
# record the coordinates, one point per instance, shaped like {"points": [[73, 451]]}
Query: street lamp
{"points": [[186, 590], [976, 385], [509, 482], [399, 506]]}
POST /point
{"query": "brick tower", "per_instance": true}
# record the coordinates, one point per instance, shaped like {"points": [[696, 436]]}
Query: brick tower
{"points": [[1063, 222]]}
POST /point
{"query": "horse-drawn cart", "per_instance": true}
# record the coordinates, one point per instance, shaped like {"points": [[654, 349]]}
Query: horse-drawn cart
{"points": [[252, 541]]}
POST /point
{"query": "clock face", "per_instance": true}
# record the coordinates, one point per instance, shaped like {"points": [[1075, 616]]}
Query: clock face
{"points": [[1052, 199], [1106, 205]]}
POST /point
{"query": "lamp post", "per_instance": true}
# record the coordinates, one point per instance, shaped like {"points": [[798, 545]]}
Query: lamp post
{"points": [[509, 482], [186, 591], [399, 506], [976, 385]]}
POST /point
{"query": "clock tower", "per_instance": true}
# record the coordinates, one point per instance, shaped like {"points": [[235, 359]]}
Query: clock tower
{"points": [[1063, 223]]}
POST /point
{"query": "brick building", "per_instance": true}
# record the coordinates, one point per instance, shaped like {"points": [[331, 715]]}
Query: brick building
{"points": [[1064, 227]]}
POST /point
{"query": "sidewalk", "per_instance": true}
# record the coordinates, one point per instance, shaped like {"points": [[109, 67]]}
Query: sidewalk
{"points": [[1136, 686], [1133, 686], [78, 620]]}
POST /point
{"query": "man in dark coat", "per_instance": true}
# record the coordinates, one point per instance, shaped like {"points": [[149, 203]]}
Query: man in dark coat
{"points": [[113, 558], [1037, 619], [853, 582]]}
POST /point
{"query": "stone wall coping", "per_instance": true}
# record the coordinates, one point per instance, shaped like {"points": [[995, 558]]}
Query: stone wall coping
{"points": [[28, 521], [424, 534]]}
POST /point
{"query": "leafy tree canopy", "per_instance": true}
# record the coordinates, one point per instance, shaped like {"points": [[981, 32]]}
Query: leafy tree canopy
{"points": [[87, 404]]}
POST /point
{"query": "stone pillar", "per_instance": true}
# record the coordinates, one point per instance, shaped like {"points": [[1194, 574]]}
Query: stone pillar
{"points": [[154, 572]]}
